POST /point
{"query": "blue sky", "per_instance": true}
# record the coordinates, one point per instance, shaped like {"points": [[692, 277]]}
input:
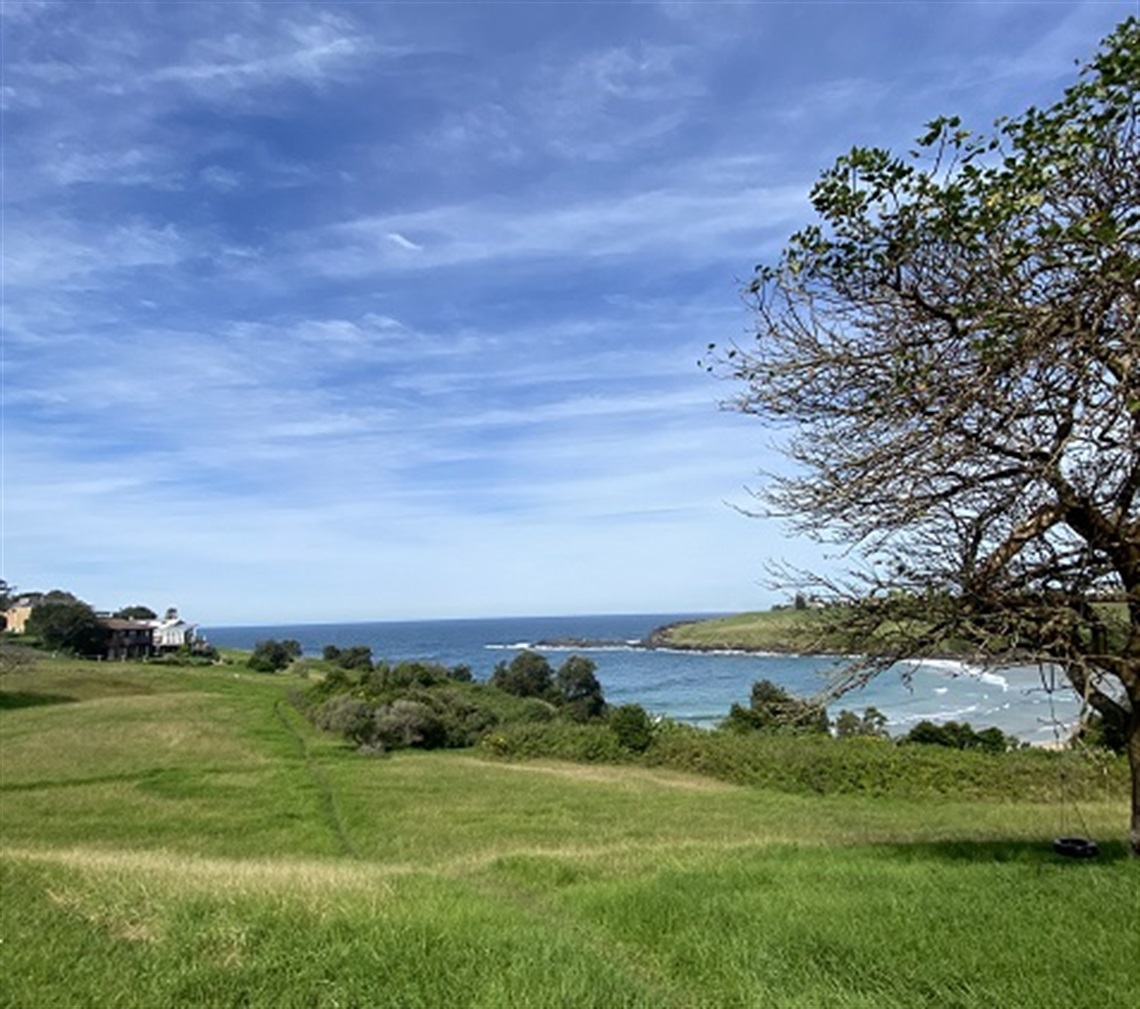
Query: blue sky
{"points": [[340, 311]]}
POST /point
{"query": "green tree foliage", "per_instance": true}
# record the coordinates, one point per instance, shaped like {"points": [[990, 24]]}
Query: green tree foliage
{"points": [[271, 656], [578, 691], [954, 351], [386, 679], [960, 736], [527, 675], [354, 657], [773, 709], [871, 723], [461, 673], [420, 704], [137, 612], [63, 623], [1097, 732], [632, 726]]}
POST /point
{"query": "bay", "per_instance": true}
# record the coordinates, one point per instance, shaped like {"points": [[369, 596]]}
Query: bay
{"points": [[697, 687]]}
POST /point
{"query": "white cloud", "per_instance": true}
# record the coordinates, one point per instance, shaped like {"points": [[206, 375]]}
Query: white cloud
{"points": [[47, 252], [678, 225], [404, 301], [404, 243], [309, 52]]}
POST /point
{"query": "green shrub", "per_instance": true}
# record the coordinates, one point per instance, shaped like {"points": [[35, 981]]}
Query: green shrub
{"points": [[527, 675], [271, 656], [772, 709], [406, 723], [461, 673], [591, 743], [349, 716], [578, 690], [960, 736], [66, 624], [413, 673], [871, 723], [632, 726], [1099, 733], [356, 657]]}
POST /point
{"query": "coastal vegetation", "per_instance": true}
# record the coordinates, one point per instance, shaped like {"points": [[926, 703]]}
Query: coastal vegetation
{"points": [[184, 836]]}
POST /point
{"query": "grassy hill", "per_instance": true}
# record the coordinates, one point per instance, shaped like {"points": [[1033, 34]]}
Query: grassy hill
{"points": [[184, 838], [785, 630]]}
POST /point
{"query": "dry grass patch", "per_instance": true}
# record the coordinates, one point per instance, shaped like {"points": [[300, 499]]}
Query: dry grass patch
{"points": [[310, 882], [623, 777]]}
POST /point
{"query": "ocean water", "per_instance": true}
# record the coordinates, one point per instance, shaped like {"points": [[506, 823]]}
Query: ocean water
{"points": [[700, 687]]}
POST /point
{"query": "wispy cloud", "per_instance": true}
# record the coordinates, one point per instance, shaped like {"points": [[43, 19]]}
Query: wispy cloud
{"points": [[405, 300], [313, 52]]}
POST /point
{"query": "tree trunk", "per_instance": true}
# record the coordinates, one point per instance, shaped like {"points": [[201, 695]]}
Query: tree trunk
{"points": [[1134, 764]]}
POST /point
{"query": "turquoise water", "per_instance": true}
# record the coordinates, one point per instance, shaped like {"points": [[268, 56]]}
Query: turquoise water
{"points": [[696, 687]]}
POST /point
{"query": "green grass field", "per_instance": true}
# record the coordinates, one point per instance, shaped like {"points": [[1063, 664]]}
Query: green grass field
{"points": [[785, 630], [184, 838]]}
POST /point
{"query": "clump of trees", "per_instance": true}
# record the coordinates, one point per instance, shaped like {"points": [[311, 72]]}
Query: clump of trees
{"points": [[574, 689], [62, 622], [961, 736], [772, 708], [872, 724], [355, 657], [382, 706], [271, 656], [633, 727], [136, 612]]}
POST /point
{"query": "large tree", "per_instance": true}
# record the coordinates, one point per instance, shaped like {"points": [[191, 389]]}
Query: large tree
{"points": [[65, 623], [953, 352]]}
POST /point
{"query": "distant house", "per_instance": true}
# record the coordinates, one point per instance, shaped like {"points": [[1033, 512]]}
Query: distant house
{"points": [[129, 639], [16, 617], [171, 632]]}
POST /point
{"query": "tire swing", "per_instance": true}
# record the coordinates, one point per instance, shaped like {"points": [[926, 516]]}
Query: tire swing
{"points": [[1078, 846], [1075, 847]]}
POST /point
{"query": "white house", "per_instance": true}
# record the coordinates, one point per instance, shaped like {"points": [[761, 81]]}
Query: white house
{"points": [[171, 632]]}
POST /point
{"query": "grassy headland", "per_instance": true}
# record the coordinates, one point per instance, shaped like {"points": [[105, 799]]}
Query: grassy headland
{"points": [[816, 631], [779, 631], [185, 838]]}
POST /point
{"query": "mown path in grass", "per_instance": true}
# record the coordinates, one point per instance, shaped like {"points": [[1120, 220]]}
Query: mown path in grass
{"points": [[187, 839]]}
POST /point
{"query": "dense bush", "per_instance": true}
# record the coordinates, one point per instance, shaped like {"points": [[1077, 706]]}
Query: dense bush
{"points": [[271, 656], [1098, 733], [66, 624], [347, 715], [356, 657], [408, 723], [592, 743], [773, 709], [425, 705], [421, 704], [185, 657], [820, 764], [871, 723], [960, 736], [527, 675], [579, 693], [404, 675], [632, 726]]}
